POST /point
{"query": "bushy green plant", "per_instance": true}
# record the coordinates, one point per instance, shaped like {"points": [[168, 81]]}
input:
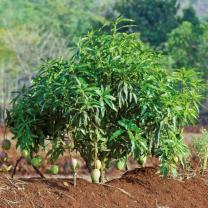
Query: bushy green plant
{"points": [[114, 98], [200, 146]]}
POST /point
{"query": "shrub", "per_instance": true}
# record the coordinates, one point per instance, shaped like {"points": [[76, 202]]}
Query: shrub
{"points": [[114, 98]]}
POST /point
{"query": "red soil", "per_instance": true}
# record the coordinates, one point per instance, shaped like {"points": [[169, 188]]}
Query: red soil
{"points": [[194, 129], [138, 188]]}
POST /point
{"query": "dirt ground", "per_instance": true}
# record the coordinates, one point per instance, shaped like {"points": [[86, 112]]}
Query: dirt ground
{"points": [[140, 188]]}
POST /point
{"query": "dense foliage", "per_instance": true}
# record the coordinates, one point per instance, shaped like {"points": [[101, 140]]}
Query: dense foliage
{"points": [[34, 30], [113, 98]]}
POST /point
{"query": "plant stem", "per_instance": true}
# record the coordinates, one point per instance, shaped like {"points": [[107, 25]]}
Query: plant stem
{"points": [[38, 172], [15, 167], [103, 176], [75, 179]]}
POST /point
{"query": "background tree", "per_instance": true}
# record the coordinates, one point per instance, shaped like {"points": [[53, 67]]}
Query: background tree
{"points": [[187, 47], [182, 46], [153, 19], [203, 57], [189, 15]]}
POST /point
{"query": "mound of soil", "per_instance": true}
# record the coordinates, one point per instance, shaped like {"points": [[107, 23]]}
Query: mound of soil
{"points": [[138, 188], [195, 129]]}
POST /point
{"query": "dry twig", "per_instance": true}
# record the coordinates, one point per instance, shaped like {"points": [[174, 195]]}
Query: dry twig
{"points": [[121, 190]]}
